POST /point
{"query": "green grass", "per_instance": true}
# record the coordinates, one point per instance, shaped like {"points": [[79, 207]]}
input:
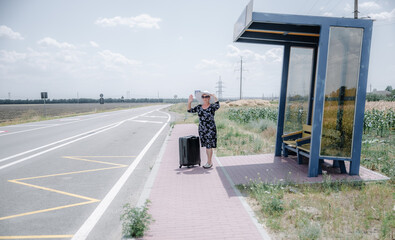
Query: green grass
{"points": [[330, 210], [378, 153]]}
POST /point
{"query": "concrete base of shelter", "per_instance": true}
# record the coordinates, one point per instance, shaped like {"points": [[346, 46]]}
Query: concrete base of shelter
{"points": [[272, 169]]}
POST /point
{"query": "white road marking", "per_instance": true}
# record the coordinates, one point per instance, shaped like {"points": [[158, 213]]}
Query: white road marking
{"points": [[3, 131], [95, 131], [69, 119], [144, 121], [28, 130], [156, 116], [31, 125], [35, 149], [53, 125], [90, 223]]}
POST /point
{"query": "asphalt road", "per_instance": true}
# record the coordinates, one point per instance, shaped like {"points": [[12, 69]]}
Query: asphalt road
{"points": [[69, 178]]}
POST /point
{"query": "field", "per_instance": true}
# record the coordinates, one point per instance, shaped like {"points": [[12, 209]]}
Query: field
{"points": [[331, 210], [21, 113]]}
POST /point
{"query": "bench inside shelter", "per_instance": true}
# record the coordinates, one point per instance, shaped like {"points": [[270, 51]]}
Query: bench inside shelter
{"points": [[299, 143], [294, 140]]}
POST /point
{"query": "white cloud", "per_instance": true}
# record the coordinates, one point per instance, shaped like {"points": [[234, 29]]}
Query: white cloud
{"points": [[386, 16], [210, 64], [94, 44], [112, 59], [328, 14], [236, 52], [369, 6], [140, 21], [9, 33], [272, 55], [52, 42], [11, 56]]}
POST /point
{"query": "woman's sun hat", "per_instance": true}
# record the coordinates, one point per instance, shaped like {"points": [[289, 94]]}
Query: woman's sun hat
{"points": [[198, 95]]}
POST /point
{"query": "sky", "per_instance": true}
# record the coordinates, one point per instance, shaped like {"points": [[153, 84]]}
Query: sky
{"points": [[159, 48]]}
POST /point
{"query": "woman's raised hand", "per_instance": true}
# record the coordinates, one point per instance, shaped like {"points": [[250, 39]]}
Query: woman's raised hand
{"points": [[190, 98]]}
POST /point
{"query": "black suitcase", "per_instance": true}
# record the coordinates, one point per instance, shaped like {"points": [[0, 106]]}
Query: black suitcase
{"points": [[189, 148]]}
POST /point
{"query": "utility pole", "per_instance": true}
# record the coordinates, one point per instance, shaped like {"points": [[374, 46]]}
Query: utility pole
{"points": [[241, 76], [356, 9], [9, 95], [219, 87]]}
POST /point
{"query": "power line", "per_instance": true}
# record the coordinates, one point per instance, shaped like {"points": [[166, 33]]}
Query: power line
{"points": [[313, 6], [336, 5]]}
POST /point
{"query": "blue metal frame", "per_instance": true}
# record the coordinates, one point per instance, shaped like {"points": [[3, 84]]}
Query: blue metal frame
{"points": [[312, 86], [283, 96], [309, 31], [360, 102], [319, 96]]}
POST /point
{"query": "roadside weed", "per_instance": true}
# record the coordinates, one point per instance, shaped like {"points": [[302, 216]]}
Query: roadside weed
{"points": [[136, 220]]}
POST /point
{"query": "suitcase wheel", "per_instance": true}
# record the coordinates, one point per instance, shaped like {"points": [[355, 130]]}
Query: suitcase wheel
{"points": [[180, 166]]}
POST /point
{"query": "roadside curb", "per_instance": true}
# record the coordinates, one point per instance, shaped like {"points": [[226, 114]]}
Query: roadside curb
{"points": [[151, 179]]}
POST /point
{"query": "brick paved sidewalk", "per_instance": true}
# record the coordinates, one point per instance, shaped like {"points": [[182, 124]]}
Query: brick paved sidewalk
{"points": [[195, 203]]}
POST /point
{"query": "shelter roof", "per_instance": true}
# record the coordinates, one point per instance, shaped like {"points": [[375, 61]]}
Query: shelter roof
{"points": [[280, 29]]}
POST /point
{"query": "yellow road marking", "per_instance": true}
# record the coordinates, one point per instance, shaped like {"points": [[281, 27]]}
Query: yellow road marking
{"points": [[102, 156], [89, 200], [36, 237], [95, 161], [68, 173], [54, 190], [48, 210]]}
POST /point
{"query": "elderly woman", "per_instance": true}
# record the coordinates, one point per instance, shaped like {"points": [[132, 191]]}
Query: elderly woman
{"points": [[207, 129]]}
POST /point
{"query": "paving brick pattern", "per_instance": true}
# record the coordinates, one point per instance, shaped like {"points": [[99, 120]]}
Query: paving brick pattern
{"points": [[195, 203]]}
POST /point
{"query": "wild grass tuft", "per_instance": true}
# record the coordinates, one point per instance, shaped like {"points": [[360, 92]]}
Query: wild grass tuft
{"points": [[136, 220]]}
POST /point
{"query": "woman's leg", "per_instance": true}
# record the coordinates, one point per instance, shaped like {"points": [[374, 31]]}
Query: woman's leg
{"points": [[209, 152]]}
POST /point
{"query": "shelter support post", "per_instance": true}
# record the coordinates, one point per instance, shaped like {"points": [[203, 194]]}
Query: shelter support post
{"points": [[360, 102], [319, 98], [283, 95]]}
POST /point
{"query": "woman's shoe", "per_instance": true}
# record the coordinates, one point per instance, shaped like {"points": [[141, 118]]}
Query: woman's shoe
{"points": [[207, 165]]}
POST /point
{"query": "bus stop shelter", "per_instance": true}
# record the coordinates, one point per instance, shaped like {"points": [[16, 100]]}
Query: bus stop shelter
{"points": [[323, 83]]}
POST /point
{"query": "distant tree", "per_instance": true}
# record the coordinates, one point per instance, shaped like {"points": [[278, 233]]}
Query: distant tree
{"points": [[388, 88]]}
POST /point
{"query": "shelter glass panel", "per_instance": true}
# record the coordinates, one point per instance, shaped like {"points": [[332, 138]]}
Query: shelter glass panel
{"points": [[298, 88], [344, 55]]}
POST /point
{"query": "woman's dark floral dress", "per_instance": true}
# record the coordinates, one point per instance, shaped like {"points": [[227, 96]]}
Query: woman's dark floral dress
{"points": [[207, 128]]}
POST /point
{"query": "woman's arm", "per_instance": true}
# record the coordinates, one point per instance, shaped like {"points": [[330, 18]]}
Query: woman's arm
{"points": [[215, 98], [190, 102]]}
